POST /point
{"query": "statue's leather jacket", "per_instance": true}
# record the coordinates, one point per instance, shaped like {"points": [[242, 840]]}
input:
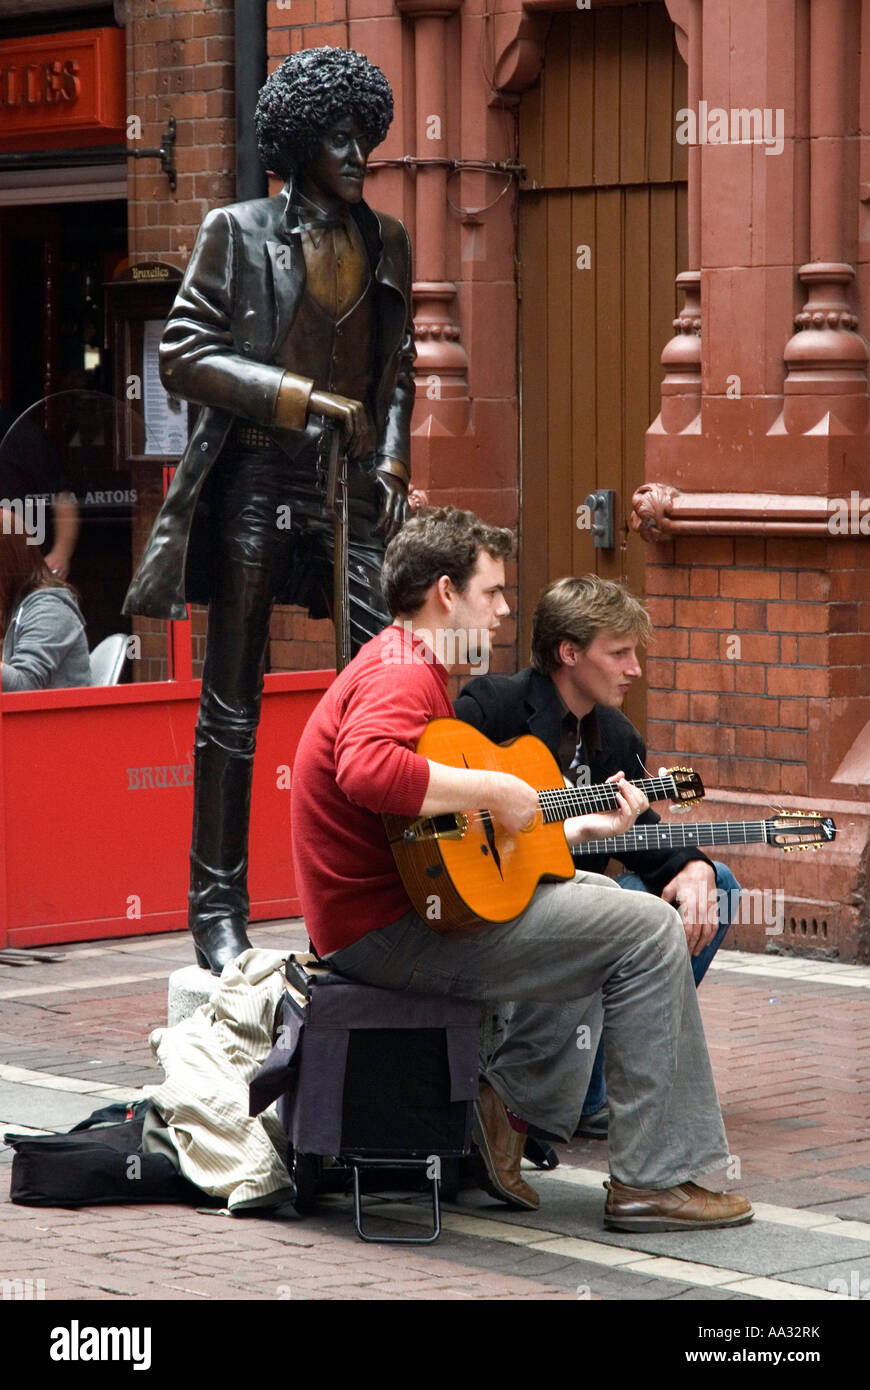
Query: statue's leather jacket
{"points": [[237, 301]]}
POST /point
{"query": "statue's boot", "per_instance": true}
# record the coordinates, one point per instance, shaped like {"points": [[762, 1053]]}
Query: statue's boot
{"points": [[219, 906]]}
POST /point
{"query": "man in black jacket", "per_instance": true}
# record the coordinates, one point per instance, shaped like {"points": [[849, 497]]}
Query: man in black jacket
{"points": [[584, 650]]}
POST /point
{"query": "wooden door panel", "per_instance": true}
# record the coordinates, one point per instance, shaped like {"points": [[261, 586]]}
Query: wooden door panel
{"points": [[584, 384], [604, 171], [534, 531], [559, 382]]}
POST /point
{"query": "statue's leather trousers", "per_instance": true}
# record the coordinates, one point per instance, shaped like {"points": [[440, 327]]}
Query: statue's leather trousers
{"points": [[255, 556]]}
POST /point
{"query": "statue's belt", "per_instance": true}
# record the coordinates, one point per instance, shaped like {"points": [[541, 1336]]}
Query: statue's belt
{"points": [[252, 437]]}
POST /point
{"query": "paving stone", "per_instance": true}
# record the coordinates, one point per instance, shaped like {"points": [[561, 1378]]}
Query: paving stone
{"points": [[850, 1276], [794, 1122], [760, 1247], [851, 1208], [188, 989], [41, 1108]]}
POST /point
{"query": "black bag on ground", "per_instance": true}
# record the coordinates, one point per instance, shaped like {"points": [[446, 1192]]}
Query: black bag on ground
{"points": [[98, 1162]]}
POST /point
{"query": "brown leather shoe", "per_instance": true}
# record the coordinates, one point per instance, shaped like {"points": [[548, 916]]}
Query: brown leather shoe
{"points": [[686, 1207], [500, 1148]]}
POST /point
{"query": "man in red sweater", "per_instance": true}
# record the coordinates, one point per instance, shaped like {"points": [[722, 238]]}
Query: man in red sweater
{"points": [[443, 577]]}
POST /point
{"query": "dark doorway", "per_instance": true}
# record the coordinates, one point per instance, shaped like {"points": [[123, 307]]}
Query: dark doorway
{"points": [[54, 262]]}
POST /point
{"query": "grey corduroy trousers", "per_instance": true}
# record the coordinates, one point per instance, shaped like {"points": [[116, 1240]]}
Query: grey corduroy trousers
{"points": [[575, 939]]}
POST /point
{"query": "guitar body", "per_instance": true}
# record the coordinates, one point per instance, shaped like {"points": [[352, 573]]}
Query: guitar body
{"points": [[477, 872]]}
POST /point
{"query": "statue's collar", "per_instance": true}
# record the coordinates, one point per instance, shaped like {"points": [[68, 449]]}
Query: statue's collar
{"points": [[302, 214]]}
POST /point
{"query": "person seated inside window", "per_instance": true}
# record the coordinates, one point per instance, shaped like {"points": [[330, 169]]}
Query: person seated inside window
{"points": [[44, 644]]}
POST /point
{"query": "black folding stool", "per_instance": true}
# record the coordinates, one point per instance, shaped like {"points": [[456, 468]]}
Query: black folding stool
{"points": [[377, 1079]]}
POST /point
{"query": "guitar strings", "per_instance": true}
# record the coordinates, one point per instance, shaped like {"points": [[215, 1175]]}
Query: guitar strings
{"points": [[695, 833], [583, 800]]}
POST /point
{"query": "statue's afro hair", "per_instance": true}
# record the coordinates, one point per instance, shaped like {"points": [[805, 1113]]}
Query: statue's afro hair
{"points": [[308, 93]]}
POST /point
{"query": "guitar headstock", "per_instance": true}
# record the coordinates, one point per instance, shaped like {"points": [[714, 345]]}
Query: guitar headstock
{"points": [[688, 786], [793, 830]]}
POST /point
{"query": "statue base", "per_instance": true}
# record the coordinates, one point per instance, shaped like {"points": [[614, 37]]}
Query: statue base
{"points": [[188, 988]]}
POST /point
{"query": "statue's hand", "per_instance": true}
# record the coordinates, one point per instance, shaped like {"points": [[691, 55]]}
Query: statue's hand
{"points": [[350, 415], [394, 503]]}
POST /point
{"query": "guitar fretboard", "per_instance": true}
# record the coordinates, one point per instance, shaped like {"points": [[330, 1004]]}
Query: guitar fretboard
{"points": [[560, 803], [738, 832]]}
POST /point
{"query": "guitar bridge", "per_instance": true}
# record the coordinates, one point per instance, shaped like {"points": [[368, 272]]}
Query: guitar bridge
{"points": [[449, 827]]}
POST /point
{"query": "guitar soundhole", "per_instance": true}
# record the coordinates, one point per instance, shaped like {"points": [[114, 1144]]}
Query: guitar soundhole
{"points": [[433, 870]]}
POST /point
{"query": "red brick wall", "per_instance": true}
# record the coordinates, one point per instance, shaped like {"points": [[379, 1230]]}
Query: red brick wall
{"points": [[180, 63], [758, 679], [753, 638]]}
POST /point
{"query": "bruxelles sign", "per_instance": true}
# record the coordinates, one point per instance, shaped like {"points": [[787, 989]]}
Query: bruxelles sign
{"points": [[39, 84], [60, 90]]}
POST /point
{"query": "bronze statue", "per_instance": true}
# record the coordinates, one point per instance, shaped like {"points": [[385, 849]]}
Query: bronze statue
{"points": [[293, 319]]}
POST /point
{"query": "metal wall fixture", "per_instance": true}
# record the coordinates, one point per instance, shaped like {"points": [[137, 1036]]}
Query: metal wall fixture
{"points": [[166, 154], [602, 504]]}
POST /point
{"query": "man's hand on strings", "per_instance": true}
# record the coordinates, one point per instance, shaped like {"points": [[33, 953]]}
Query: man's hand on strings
{"points": [[631, 803], [513, 803]]}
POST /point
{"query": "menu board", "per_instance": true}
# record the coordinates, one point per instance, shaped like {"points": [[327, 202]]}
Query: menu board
{"points": [[165, 417]]}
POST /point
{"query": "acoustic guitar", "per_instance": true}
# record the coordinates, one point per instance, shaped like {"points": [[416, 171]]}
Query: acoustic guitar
{"points": [[461, 868]]}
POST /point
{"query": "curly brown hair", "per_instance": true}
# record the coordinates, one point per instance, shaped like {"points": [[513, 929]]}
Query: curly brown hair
{"points": [[433, 542], [308, 93]]}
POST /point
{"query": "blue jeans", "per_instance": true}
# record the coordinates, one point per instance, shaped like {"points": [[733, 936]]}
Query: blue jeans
{"points": [[727, 887]]}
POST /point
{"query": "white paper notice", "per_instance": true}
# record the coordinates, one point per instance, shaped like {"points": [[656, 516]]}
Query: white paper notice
{"points": [[165, 417]]}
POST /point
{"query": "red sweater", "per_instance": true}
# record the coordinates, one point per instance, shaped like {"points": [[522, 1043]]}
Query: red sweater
{"points": [[355, 760]]}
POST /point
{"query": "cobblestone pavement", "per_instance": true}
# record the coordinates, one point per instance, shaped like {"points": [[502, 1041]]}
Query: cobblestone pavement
{"points": [[790, 1043]]}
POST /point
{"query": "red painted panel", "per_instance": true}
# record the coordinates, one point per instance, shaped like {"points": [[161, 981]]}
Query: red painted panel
{"points": [[59, 90], [4, 923], [98, 798]]}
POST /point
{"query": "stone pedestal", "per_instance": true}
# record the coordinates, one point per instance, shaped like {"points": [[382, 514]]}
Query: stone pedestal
{"points": [[188, 988]]}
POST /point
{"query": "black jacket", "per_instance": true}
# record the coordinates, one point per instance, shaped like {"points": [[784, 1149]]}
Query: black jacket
{"points": [[236, 302], [504, 707]]}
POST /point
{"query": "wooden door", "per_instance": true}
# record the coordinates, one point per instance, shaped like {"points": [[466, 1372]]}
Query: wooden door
{"points": [[602, 238]]}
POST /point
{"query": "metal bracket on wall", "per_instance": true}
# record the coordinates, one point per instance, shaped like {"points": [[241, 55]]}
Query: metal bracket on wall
{"points": [[602, 504], [166, 154]]}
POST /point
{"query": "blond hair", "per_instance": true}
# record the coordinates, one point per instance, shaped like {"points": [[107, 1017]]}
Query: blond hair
{"points": [[576, 610]]}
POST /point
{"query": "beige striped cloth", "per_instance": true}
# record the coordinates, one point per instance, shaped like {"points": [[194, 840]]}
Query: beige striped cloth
{"points": [[209, 1059]]}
